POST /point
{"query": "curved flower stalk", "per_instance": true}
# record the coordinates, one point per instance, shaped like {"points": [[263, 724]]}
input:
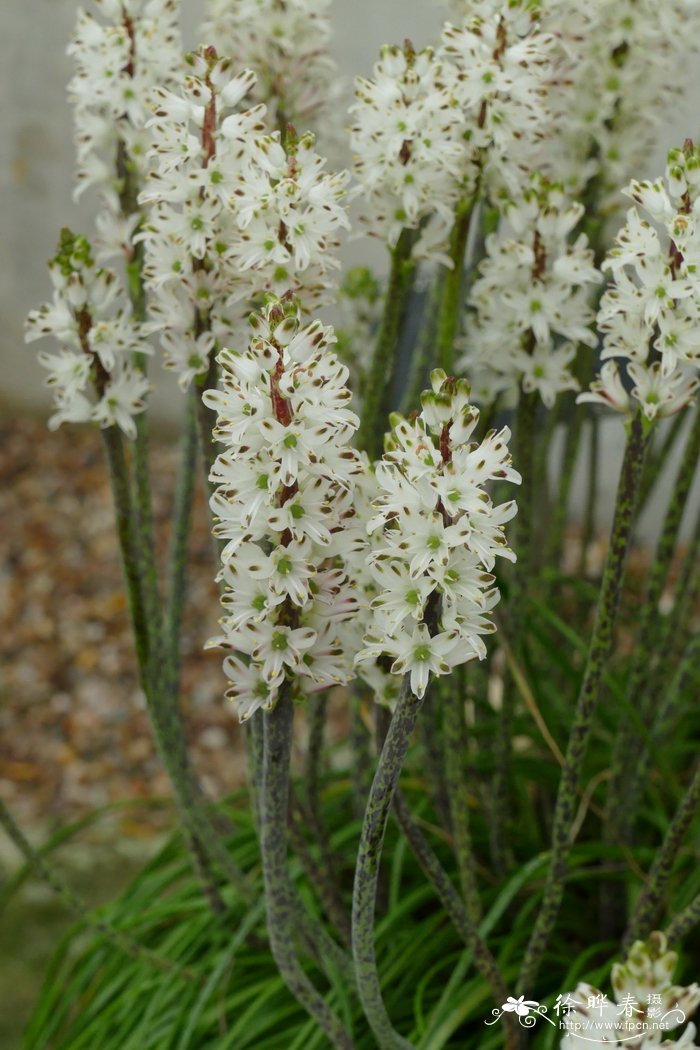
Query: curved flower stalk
{"points": [[437, 535], [650, 313], [234, 215], [646, 1004], [118, 64], [531, 303], [285, 42], [92, 377], [284, 507]]}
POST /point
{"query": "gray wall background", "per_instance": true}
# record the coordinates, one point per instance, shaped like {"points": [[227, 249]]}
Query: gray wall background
{"points": [[36, 166]]}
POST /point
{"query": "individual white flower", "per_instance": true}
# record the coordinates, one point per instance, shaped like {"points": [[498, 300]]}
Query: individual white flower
{"points": [[431, 591], [284, 502]]}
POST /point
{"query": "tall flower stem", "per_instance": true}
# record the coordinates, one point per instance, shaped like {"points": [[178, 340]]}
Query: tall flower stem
{"points": [[684, 922], [620, 806], [524, 459], [591, 494], [451, 291], [317, 708], [274, 806], [649, 902], [658, 458], [369, 435], [464, 924], [572, 442], [598, 652], [458, 792], [369, 854], [159, 680], [360, 746], [181, 521]]}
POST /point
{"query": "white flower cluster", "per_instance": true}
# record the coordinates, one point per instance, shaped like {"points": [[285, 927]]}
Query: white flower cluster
{"points": [[646, 1005], [234, 214], [650, 314], [530, 305], [504, 65], [436, 535], [410, 153], [427, 123], [284, 504], [93, 378], [617, 66], [118, 64], [285, 42]]}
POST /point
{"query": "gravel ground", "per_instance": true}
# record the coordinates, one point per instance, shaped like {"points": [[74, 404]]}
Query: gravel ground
{"points": [[73, 728]]}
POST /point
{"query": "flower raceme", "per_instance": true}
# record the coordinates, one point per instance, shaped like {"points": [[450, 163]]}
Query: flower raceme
{"points": [[530, 305], [650, 313], [118, 63], [284, 505], [235, 215], [93, 378], [435, 537], [286, 44]]}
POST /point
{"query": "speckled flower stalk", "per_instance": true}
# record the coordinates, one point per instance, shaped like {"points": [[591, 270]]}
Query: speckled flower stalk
{"points": [[369, 854], [623, 792], [274, 804], [451, 289], [649, 902], [467, 929], [374, 406], [598, 653], [684, 922]]}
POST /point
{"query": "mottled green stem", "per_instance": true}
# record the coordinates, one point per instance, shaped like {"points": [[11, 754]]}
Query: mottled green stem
{"points": [[684, 922], [77, 907], [181, 523], [524, 460], [464, 924], [159, 679], [458, 794], [374, 407], [431, 736], [451, 299], [657, 458], [369, 854], [589, 522], [621, 802], [317, 710], [360, 745], [565, 475], [648, 905], [598, 652], [121, 496], [279, 899]]}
